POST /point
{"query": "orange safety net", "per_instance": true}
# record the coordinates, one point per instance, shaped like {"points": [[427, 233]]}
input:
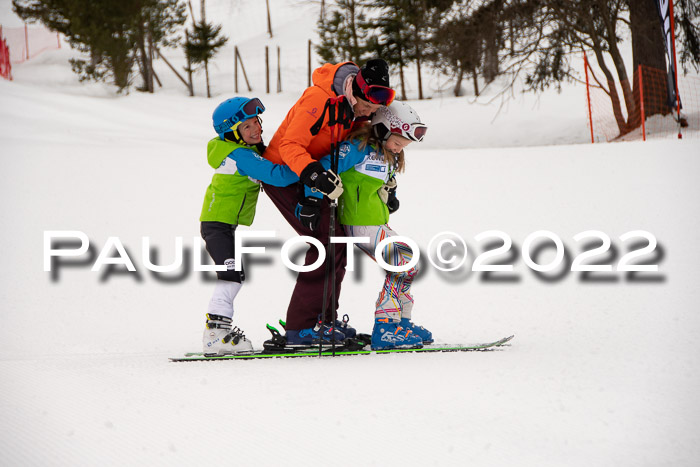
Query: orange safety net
{"points": [[649, 99], [28, 42]]}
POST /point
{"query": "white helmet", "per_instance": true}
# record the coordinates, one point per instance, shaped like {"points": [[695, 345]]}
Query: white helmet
{"points": [[400, 119]]}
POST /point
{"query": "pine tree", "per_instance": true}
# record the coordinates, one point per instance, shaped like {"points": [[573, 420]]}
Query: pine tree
{"points": [[341, 34], [202, 43], [155, 26], [115, 35]]}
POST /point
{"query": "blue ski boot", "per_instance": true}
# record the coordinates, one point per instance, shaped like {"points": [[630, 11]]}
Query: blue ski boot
{"points": [[343, 327], [319, 334], [388, 334], [425, 335]]}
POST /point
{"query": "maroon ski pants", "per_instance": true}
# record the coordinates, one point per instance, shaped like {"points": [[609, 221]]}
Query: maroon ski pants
{"points": [[307, 298]]}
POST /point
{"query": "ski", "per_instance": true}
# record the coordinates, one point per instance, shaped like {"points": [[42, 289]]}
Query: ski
{"points": [[314, 352]]}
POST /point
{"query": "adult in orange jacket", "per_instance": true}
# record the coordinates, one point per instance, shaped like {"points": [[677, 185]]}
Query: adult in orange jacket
{"points": [[297, 146]]}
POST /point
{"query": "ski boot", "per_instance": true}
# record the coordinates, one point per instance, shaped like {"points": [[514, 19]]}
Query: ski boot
{"points": [[343, 327], [425, 335], [220, 339], [388, 334], [321, 334]]}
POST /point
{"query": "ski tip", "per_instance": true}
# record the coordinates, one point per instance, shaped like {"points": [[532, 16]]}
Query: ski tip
{"points": [[509, 338]]}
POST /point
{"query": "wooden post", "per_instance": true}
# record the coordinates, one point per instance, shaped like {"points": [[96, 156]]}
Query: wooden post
{"points": [[189, 2], [641, 103], [269, 23], [588, 97], [172, 68], [189, 71], [151, 48], [245, 76], [279, 71], [235, 68], [267, 69], [308, 75], [149, 62]]}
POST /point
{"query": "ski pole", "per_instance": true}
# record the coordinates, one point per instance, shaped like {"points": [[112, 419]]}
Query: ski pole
{"points": [[331, 106]]}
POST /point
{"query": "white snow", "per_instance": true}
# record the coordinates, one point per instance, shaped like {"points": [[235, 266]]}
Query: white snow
{"points": [[601, 372]]}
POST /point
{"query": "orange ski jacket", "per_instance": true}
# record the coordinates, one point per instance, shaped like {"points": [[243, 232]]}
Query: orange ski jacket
{"points": [[293, 144]]}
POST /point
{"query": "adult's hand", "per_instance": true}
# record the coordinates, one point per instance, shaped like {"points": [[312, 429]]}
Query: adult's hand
{"points": [[315, 176], [308, 211]]}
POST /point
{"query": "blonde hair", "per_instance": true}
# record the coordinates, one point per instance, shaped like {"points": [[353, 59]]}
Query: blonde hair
{"points": [[365, 135]]}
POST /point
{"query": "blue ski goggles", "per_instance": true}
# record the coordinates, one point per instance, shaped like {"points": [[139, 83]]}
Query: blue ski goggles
{"points": [[250, 109]]}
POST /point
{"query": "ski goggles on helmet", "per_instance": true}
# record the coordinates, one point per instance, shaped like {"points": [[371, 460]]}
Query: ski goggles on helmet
{"points": [[412, 131], [250, 109], [374, 93]]}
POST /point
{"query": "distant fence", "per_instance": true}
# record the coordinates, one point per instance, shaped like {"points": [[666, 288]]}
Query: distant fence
{"points": [[653, 117], [27, 42], [238, 64]]}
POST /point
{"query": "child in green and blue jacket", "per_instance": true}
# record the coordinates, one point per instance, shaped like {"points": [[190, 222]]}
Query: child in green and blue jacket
{"points": [[230, 201], [367, 163]]}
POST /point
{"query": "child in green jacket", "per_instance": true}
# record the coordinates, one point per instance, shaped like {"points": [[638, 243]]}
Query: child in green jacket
{"points": [[230, 201], [367, 163]]}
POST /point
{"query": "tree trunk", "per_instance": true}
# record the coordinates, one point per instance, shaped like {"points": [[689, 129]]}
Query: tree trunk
{"points": [[401, 77], [623, 77], [420, 78], [614, 97], [143, 59], [149, 61], [403, 83], [353, 33], [458, 84], [491, 46], [418, 41], [475, 78], [206, 74], [648, 51]]}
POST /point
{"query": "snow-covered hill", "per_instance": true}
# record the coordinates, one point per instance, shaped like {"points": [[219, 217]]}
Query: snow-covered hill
{"points": [[602, 370]]}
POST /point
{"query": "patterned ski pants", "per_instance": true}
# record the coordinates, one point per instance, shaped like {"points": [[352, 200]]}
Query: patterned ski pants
{"points": [[394, 301]]}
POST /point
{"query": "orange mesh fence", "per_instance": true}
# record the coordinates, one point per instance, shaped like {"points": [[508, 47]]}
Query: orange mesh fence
{"points": [[659, 126], [650, 98], [28, 42], [5, 65], [601, 119]]}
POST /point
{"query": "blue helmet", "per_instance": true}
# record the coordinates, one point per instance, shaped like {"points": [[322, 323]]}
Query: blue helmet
{"points": [[230, 113]]}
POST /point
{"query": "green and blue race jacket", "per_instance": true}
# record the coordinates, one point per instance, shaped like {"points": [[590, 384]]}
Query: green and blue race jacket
{"points": [[233, 193], [363, 173]]}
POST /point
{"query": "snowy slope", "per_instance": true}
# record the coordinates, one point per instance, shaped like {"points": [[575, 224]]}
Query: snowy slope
{"points": [[602, 370]]}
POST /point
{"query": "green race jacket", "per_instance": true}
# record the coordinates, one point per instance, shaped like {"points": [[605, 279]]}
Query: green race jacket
{"points": [[233, 193]]}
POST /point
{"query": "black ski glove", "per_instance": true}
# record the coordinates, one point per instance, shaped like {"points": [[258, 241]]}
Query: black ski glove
{"points": [[388, 194], [316, 177], [308, 211]]}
